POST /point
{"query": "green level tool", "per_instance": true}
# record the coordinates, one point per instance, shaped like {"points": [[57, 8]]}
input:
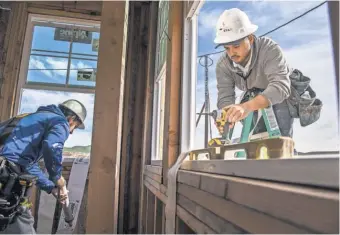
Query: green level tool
{"points": [[269, 118]]}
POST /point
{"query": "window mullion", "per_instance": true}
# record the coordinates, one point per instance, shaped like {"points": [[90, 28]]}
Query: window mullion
{"points": [[69, 60]]}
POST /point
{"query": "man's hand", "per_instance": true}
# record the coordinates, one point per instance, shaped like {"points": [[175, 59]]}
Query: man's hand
{"points": [[63, 194], [61, 182], [236, 112]]}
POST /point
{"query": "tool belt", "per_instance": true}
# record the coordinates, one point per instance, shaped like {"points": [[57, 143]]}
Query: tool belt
{"points": [[14, 191]]}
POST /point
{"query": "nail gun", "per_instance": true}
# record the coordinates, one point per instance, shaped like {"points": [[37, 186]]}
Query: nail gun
{"points": [[219, 117]]}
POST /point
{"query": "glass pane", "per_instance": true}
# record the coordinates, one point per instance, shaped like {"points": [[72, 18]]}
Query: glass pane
{"points": [[162, 32], [43, 39], [79, 143], [47, 69], [84, 48], [83, 73], [161, 117]]}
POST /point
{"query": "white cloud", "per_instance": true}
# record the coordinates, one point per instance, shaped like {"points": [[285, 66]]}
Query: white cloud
{"points": [[37, 64], [207, 22]]}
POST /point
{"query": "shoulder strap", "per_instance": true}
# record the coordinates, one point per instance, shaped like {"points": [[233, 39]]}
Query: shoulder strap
{"points": [[10, 125]]}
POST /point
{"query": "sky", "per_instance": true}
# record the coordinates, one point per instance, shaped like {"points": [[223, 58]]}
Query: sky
{"points": [[306, 44]]}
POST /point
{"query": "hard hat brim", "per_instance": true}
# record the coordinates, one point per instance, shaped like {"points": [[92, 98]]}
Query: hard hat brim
{"points": [[229, 40], [81, 126], [233, 43]]}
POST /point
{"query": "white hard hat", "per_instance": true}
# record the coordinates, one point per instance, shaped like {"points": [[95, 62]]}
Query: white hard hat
{"points": [[232, 26]]}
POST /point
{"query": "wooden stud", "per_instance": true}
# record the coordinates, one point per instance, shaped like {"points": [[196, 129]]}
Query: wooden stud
{"points": [[60, 13], [147, 120], [333, 12], [172, 88], [106, 137], [140, 84], [158, 217], [150, 215], [127, 129], [13, 45]]}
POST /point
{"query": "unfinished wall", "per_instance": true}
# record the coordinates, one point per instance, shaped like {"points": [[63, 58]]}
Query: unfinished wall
{"points": [[133, 115]]}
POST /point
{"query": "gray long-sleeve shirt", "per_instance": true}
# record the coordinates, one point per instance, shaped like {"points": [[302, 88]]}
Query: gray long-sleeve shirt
{"points": [[268, 70]]}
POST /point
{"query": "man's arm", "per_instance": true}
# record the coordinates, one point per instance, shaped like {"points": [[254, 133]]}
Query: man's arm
{"points": [[277, 72], [278, 89], [259, 102], [52, 149], [225, 87], [43, 182]]}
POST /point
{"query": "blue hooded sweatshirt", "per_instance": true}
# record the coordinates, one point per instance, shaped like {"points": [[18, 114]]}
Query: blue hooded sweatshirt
{"points": [[39, 135]]}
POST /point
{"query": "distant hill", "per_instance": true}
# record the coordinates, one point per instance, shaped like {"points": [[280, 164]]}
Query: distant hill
{"points": [[78, 149]]}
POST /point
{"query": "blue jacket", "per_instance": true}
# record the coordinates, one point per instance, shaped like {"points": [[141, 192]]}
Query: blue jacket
{"points": [[39, 135]]}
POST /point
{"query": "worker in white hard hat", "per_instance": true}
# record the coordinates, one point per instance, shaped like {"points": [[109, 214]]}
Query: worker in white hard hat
{"points": [[251, 63], [24, 141]]}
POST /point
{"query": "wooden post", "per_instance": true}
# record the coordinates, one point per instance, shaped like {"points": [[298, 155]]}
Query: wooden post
{"points": [[150, 212], [333, 11], [173, 88], [146, 147], [14, 43], [103, 187]]}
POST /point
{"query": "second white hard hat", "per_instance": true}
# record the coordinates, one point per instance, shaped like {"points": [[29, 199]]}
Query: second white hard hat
{"points": [[233, 25]]}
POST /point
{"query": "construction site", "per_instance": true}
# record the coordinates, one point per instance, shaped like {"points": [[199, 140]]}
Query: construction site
{"points": [[151, 159]]}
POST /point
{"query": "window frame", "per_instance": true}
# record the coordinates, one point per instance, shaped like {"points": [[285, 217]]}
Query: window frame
{"points": [[158, 117], [189, 75], [159, 82], [50, 21]]}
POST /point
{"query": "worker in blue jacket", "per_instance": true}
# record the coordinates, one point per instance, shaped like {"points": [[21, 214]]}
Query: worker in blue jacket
{"points": [[36, 136]]}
